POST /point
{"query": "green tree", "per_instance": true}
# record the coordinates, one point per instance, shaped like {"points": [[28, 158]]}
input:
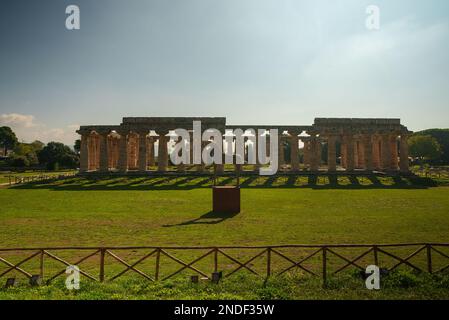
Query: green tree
{"points": [[8, 139], [37, 145], [77, 146], [56, 154], [26, 151], [18, 161], [442, 136], [424, 147]]}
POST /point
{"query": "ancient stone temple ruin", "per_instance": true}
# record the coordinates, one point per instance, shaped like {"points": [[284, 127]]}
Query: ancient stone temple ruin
{"points": [[142, 145]]}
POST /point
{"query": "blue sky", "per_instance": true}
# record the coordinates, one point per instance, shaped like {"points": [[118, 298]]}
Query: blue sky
{"points": [[258, 61]]}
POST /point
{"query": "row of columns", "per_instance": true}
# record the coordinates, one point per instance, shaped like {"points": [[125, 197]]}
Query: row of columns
{"points": [[135, 151]]}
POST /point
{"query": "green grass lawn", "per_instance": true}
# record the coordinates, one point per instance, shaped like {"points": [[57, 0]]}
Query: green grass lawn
{"points": [[141, 212], [164, 212]]}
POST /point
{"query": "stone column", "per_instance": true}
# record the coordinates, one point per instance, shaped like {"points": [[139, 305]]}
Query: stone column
{"points": [[385, 152], [294, 151], [349, 142], [257, 165], [142, 160], [376, 152], [201, 167], [191, 147], [123, 152], [361, 154], [368, 152], [394, 152], [110, 143], [314, 165], [281, 154], [403, 149], [150, 151], [343, 154], [219, 168], [318, 150], [162, 156], [267, 144], [181, 167], [92, 144], [331, 154], [115, 152], [306, 153], [104, 155], [84, 154]]}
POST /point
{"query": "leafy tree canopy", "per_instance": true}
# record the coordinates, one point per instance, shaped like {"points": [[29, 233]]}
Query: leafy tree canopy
{"points": [[424, 147], [442, 136], [77, 146], [56, 154], [8, 139]]}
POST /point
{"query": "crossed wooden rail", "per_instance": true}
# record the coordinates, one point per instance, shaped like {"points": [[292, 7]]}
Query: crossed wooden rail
{"points": [[321, 251]]}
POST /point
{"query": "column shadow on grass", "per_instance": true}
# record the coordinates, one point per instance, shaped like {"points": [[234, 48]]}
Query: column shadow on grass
{"points": [[318, 182], [210, 217]]}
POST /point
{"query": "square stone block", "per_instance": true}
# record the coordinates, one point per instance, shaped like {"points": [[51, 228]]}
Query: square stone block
{"points": [[226, 199]]}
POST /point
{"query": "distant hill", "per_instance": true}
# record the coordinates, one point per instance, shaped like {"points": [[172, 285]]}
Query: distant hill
{"points": [[442, 136]]}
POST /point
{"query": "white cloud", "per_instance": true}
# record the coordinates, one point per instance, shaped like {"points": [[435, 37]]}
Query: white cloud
{"points": [[28, 129], [16, 119]]}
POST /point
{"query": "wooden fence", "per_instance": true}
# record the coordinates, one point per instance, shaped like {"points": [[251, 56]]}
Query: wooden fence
{"points": [[41, 177], [324, 253]]}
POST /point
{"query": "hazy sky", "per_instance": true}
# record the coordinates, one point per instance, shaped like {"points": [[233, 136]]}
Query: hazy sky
{"points": [[258, 61]]}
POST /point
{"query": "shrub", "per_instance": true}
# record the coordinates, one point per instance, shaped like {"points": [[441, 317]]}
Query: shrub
{"points": [[19, 162]]}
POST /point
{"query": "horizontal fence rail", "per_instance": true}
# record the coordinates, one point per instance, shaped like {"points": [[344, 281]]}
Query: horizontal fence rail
{"points": [[12, 180], [331, 260]]}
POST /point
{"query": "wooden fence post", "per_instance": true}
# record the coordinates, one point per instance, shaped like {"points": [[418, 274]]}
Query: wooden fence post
{"points": [[429, 258], [376, 256], [102, 254], [41, 265], [324, 267], [216, 260], [158, 259], [268, 262]]}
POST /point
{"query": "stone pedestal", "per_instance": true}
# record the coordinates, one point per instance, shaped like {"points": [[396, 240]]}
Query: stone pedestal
{"points": [[226, 199]]}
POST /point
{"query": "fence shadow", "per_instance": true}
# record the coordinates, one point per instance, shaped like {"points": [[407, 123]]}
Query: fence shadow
{"points": [[318, 182]]}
